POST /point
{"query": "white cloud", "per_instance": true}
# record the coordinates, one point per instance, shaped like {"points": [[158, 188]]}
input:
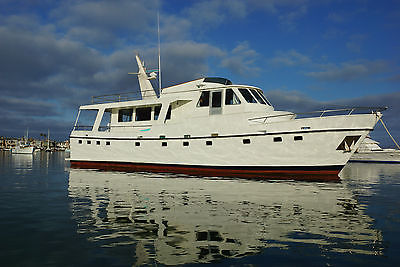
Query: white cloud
{"points": [[348, 71], [289, 58], [241, 60]]}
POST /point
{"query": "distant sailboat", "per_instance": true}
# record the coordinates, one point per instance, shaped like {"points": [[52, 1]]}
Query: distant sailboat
{"points": [[48, 141]]}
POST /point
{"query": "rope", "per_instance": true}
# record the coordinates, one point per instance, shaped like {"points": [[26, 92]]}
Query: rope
{"points": [[389, 133]]}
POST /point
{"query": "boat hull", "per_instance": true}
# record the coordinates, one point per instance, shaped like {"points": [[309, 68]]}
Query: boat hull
{"points": [[306, 173], [392, 157]]}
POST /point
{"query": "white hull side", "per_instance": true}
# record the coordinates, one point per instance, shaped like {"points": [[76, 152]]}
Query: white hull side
{"points": [[318, 147]]}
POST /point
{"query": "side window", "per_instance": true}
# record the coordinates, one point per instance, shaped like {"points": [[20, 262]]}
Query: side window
{"points": [[143, 114], [257, 95], [125, 115], [157, 110], [216, 101], [204, 100], [246, 94], [168, 116], [231, 98]]}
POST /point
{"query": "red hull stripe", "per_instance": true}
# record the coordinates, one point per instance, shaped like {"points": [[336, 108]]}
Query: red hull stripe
{"points": [[320, 173]]}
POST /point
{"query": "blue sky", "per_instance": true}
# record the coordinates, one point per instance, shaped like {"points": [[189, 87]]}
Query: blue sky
{"points": [[304, 54]]}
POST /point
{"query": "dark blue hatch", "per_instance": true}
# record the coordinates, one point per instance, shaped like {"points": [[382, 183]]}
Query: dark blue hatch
{"points": [[217, 80]]}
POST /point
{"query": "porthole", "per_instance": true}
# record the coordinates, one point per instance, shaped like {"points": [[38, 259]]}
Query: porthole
{"points": [[164, 144], [246, 141], [298, 138], [79, 141], [107, 143], [98, 143], [185, 143], [278, 139], [137, 143], [88, 142], [208, 143]]}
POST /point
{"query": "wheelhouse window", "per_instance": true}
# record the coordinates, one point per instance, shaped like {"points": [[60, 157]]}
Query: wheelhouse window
{"points": [[157, 110], [85, 120], [265, 99], [168, 116], [247, 95], [125, 115], [231, 98], [216, 99], [143, 114], [257, 95], [204, 100]]}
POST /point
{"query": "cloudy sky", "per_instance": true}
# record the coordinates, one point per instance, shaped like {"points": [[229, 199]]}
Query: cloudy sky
{"points": [[305, 55]]}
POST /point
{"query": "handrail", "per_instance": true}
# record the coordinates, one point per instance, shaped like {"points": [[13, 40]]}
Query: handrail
{"points": [[323, 112]]}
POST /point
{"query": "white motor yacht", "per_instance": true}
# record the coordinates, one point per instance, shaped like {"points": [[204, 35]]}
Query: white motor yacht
{"points": [[211, 127]]}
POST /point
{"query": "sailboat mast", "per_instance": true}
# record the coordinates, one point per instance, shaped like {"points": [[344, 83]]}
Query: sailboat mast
{"points": [[159, 51]]}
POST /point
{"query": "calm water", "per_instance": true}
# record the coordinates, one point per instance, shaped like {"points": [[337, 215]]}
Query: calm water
{"points": [[54, 215]]}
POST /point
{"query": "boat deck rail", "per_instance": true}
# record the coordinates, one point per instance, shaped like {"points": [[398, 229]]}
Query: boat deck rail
{"points": [[325, 112]]}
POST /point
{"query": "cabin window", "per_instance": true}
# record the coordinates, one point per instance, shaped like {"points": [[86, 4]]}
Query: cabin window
{"points": [[125, 115], [143, 114], [105, 121], [168, 116], [186, 143], [247, 96], [246, 141], [204, 100], [86, 118], [263, 96], [107, 143], [257, 95], [278, 139], [216, 99], [208, 143], [98, 143], [157, 110], [231, 98], [298, 138]]}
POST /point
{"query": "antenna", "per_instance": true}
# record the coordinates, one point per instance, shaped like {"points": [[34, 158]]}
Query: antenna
{"points": [[159, 51]]}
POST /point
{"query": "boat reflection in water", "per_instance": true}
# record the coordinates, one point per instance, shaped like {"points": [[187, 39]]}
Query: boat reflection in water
{"points": [[178, 219]]}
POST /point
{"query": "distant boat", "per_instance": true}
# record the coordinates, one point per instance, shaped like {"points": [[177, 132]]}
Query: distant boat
{"points": [[48, 141], [370, 151], [23, 147]]}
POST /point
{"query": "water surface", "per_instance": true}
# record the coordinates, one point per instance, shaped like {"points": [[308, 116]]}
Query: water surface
{"points": [[54, 215]]}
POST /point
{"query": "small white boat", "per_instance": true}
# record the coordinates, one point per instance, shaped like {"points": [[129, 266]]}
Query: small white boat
{"points": [[22, 148], [370, 151]]}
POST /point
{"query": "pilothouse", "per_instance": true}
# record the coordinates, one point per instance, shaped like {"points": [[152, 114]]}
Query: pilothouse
{"points": [[212, 127]]}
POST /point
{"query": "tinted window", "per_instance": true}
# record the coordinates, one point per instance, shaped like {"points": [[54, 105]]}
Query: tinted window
{"points": [[216, 99], [168, 116], [157, 110], [204, 100], [246, 94], [259, 98], [231, 98], [125, 115], [143, 114], [263, 96]]}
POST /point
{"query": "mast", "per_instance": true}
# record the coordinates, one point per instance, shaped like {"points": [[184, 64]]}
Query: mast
{"points": [[159, 52]]}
